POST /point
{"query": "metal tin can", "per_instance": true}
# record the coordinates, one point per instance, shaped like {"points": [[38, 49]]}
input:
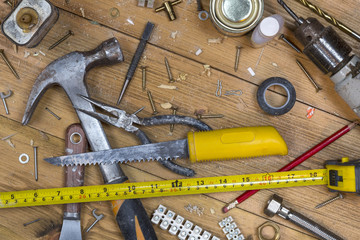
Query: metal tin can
{"points": [[236, 17]]}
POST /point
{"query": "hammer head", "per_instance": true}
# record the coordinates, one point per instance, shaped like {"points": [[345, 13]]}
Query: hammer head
{"points": [[69, 72]]}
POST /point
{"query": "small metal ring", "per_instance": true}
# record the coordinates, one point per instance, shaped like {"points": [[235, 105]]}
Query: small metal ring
{"points": [[114, 12], [201, 15], [72, 138], [273, 226], [26, 158]]}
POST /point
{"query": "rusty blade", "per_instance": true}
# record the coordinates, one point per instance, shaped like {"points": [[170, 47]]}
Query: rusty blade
{"points": [[150, 152]]}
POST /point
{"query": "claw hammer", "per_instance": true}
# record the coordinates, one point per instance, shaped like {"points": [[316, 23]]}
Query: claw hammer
{"points": [[69, 72]]}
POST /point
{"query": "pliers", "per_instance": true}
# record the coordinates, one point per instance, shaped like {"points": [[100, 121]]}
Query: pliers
{"points": [[122, 119]]}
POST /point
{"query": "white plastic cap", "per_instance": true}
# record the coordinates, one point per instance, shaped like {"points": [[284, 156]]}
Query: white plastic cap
{"points": [[269, 27]]}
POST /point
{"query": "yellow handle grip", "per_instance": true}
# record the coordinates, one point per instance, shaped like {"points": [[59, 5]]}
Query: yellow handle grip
{"points": [[234, 143]]}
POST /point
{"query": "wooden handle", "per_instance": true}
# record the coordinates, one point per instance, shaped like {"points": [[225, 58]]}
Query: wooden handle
{"points": [[75, 142]]}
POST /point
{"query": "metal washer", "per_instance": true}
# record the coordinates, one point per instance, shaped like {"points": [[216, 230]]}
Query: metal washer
{"points": [[26, 158], [203, 15]]}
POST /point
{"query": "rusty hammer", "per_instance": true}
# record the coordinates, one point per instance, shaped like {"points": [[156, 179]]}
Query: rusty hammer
{"points": [[69, 72]]}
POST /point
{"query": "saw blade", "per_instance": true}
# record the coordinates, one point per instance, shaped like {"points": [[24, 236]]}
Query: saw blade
{"points": [[150, 152]]}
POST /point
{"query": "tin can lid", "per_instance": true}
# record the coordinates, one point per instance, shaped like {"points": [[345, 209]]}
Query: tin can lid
{"points": [[238, 15]]}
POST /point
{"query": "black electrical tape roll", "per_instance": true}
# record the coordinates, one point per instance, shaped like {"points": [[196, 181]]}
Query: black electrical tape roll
{"points": [[277, 81]]}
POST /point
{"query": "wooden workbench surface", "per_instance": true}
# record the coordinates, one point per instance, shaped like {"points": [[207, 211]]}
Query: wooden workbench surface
{"points": [[178, 41]]}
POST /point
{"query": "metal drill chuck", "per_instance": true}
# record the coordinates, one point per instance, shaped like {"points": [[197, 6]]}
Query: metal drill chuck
{"points": [[275, 207], [323, 46]]}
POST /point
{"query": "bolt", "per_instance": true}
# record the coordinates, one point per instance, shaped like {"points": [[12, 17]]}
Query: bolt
{"points": [[282, 36], [2, 54], [171, 79], [174, 113], [237, 58], [339, 196], [35, 163], [205, 116], [143, 68], [152, 103], [52, 113], [70, 33], [317, 87]]}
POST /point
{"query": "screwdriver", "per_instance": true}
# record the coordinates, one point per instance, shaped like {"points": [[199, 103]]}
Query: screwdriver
{"points": [[136, 58]]}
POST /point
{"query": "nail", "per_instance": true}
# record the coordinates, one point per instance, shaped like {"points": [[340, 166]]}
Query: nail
{"points": [[282, 36]]}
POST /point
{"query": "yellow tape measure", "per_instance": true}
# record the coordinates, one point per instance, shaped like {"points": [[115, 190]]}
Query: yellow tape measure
{"points": [[162, 188]]}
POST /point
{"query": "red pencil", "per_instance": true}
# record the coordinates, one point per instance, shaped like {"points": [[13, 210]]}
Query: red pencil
{"points": [[296, 162]]}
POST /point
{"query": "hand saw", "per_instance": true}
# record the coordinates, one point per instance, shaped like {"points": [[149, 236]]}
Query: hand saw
{"points": [[221, 144]]}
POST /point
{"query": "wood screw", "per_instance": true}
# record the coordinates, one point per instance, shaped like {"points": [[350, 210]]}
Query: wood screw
{"points": [[70, 33], [2, 54], [237, 58], [152, 103], [339, 196], [171, 79]]}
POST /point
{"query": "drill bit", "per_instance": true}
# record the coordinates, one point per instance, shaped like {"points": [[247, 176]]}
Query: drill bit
{"points": [[330, 19], [136, 58]]}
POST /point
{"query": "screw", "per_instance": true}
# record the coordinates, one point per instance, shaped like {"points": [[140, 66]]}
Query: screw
{"points": [[174, 113], [237, 58], [282, 36], [152, 103], [205, 116], [35, 163], [70, 33], [2, 54], [171, 79], [52, 113], [143, 68], [339, 196], [317, 87]]}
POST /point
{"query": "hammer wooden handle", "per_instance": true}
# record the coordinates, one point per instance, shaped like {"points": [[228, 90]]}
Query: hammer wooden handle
{"points": [[75, 142]]}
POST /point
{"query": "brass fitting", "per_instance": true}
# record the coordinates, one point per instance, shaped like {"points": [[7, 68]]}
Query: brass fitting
{"points": [[167, 6]]}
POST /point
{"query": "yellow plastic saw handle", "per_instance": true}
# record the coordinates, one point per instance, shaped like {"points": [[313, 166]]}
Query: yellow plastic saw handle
{"points": [[234, 143]]}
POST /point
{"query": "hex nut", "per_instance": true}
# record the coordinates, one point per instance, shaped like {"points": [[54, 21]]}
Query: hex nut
{"points": [[274, 205], [272, 225]]}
